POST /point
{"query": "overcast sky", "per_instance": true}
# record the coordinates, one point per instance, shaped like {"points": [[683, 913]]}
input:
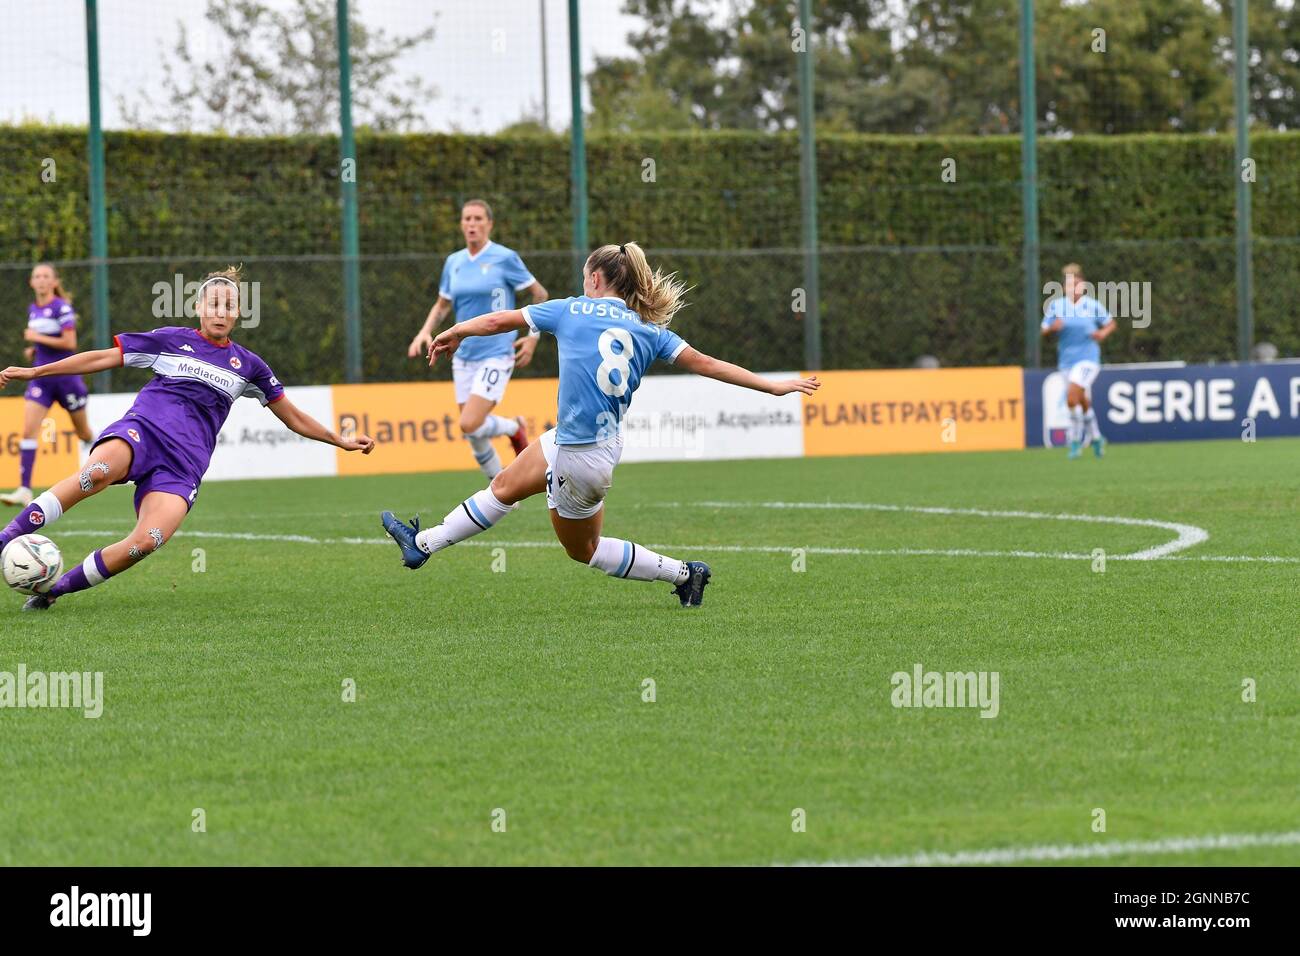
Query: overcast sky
{"points": [[485, 59]]}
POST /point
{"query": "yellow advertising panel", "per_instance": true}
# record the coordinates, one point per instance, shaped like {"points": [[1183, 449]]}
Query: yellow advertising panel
{"points": [[416, 424], [915, 410], [57, 452]]}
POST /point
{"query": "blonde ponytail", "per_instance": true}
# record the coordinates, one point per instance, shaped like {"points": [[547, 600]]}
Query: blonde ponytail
{"points": [[651, 294]]}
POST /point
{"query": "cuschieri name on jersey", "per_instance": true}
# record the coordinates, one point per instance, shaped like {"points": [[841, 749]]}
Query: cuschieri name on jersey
{"points": [[587, 307]]}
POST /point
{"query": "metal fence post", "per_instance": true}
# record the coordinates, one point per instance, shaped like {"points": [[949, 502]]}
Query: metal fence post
{"points": [[577, 151], [1029, 185], [812, 329], [1241, 90], [98, 212], [348, 183]]}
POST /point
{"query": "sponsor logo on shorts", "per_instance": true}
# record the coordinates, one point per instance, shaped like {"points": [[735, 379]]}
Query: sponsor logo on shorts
{"points": [[36, 391], [235, 363], [135, 435]]}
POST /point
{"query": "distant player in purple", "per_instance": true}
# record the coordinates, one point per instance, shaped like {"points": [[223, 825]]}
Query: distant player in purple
{"points": [[166, 440], [52, 332]]}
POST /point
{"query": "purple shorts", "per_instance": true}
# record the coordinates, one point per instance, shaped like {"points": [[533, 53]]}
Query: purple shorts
{"points": [[68, 390], [155, 466]]}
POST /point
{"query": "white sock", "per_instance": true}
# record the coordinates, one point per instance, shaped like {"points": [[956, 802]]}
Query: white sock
{"points": [[1076, 424], [625, 559], [50, 506], [493, 426], [1090, 423], [486, 456], [472, 516]]}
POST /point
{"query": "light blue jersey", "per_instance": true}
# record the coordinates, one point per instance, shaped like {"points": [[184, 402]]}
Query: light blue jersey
{"points": [[477, 285], [604, 350], [1074, 343]]}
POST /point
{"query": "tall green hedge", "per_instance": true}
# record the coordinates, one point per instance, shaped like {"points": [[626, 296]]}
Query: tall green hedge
{"points": [[913, 264]]}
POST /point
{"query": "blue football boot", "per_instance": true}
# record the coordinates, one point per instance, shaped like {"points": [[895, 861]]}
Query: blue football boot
{"points": [[413, 556], [691, 591]]}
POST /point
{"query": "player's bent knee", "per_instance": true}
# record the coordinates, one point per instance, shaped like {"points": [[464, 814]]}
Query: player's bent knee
{"points": [[470, 424], [500, 486], [141, 544], [94, 477]]}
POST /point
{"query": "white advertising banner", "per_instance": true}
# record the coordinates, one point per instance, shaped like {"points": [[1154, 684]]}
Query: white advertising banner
{"points": [[688, 418]]}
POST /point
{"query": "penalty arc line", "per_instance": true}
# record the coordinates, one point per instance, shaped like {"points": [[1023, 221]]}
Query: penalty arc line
{"points": [[1075, 851], [1188, 535]]}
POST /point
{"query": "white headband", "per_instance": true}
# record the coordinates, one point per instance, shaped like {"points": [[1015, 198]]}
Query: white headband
{"points": [[208, 282]]}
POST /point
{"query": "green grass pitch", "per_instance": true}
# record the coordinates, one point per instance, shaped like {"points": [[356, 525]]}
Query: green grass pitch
{"points": [[522, 688]]}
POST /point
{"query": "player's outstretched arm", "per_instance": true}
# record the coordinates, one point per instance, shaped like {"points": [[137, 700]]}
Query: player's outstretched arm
{"points": [[490, 324], [83, 363], [526, 345], [696, 361], [296, 420]]}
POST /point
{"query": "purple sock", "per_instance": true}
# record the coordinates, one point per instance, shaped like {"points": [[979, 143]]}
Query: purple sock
{"points": [[29, 521], [85, 575], [26, 461]]}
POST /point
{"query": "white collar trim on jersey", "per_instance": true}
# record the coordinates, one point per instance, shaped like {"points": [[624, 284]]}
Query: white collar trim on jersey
{"points": [[475, 255], [614, 298]]}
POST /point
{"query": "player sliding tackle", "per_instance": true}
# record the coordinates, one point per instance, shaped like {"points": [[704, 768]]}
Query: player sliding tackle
{"points": [[166, 440], [607, 338]]}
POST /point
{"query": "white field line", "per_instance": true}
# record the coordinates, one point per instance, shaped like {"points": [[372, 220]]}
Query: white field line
{"points": [[1187, 535], [698, 548], [1077, 851]]}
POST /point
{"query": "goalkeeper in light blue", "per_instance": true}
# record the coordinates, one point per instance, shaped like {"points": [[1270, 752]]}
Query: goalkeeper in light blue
{"points": [[607, 338], [1081, 324]]}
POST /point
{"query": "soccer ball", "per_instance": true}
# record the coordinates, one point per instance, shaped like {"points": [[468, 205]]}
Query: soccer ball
{"points": [[32, 563]]}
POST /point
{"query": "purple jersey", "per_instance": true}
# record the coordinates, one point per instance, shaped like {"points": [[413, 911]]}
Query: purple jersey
{"points": [[195, 383], [52, 318]]}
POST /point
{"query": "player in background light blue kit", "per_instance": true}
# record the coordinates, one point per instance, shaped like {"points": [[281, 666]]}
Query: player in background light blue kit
{"points": [[481, 278], [1081, 324], [607, 338]]}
